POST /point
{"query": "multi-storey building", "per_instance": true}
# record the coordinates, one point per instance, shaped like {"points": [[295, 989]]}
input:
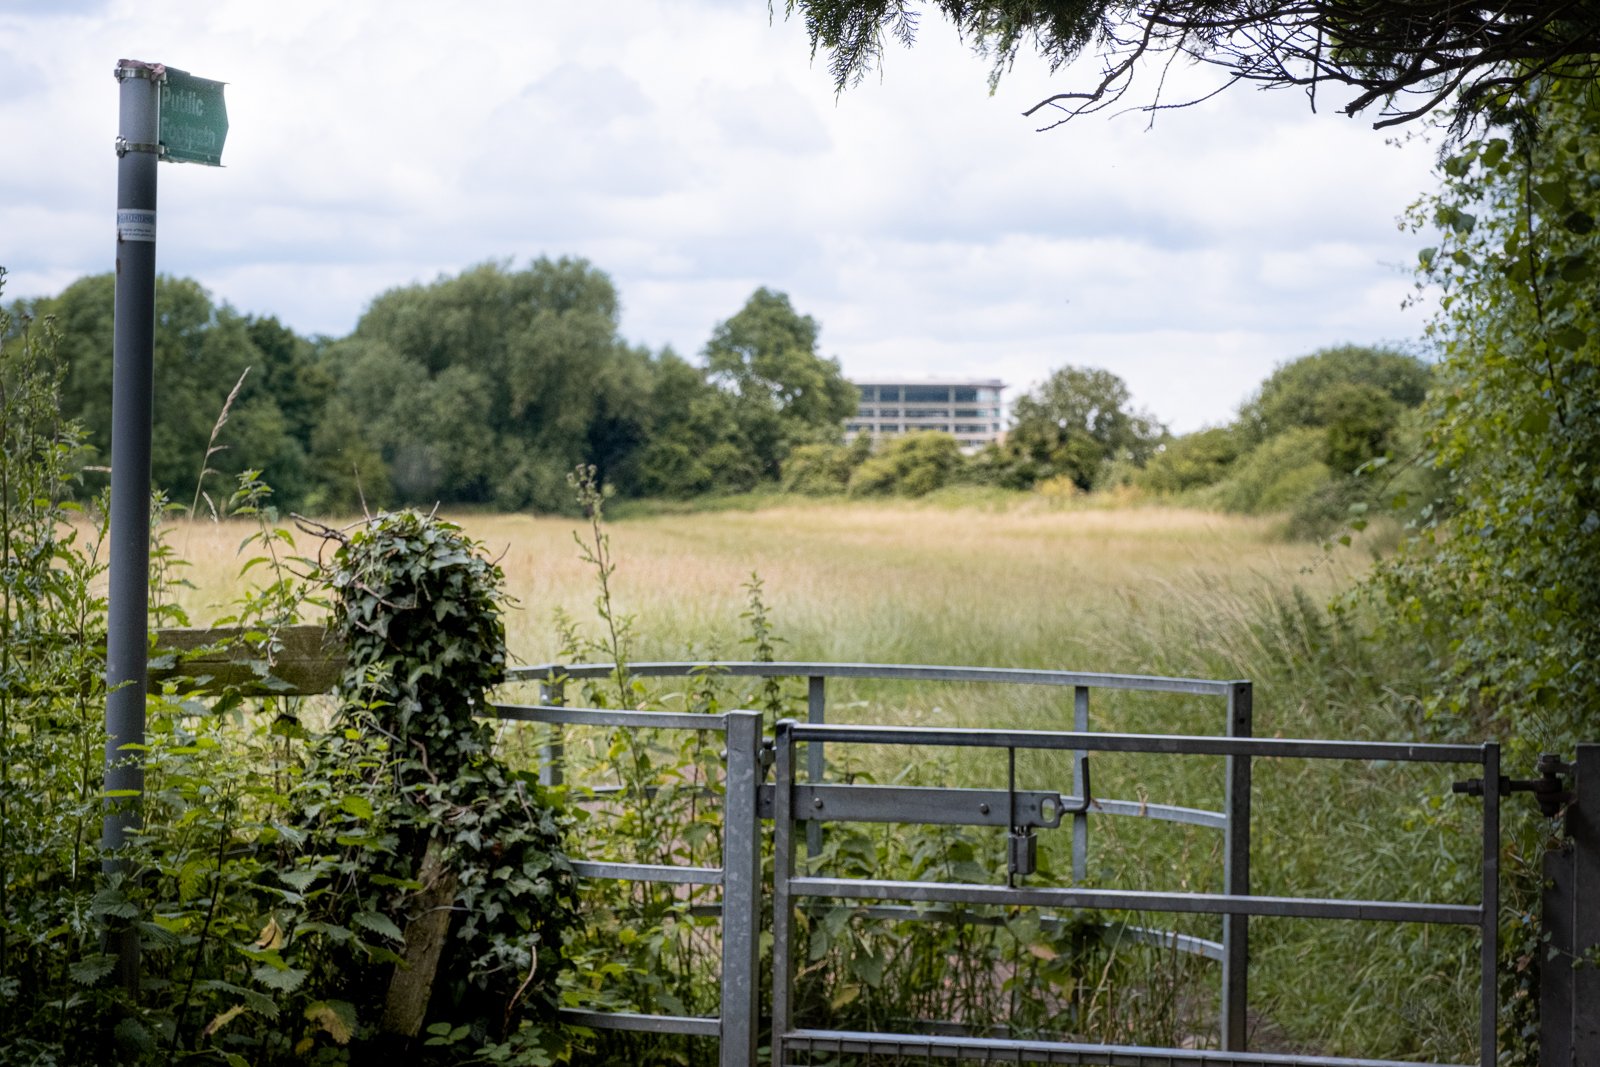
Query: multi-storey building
{"points": [[966, 409]]}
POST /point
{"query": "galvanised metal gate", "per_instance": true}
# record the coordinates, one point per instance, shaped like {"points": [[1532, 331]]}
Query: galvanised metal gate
{"points": [[801, 800]]}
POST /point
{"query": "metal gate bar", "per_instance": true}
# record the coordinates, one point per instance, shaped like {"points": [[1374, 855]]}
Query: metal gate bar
{"points": [[1234, 906], [1049, 1052], [737, 1022]]}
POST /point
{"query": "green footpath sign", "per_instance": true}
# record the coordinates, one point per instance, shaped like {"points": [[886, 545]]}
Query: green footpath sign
{"points": [[194, 120]]}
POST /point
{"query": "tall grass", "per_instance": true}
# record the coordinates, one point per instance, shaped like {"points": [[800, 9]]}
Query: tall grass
{"points": [[1129, 590]]}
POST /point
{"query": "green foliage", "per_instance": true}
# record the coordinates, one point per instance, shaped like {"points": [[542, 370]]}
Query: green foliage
{"points": [[201, 350], [784, 393], [1309, 444], [418, 608], [52, 693], [1492, 578], [1191, 461], [1354, 394], [913, 464], [1077, 422], [1274, 476], [1494, 586], [529, 360], [1411, 59], [819, 470]]}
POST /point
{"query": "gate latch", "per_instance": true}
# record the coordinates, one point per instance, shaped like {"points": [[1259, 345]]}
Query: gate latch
{"points": [[1547, 789], [1022, 846]]}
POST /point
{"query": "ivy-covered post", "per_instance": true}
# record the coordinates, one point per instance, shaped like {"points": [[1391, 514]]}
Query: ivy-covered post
{"points": [[476, 881]]}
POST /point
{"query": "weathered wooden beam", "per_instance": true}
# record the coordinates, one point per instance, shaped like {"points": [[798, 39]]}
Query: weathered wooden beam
{"points": [[309, 662]]}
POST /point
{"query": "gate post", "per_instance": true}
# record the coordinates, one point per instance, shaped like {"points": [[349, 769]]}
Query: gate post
{"points": [[1583, 827], [1236, 876], [553, 754], [741, 890], [782, 871], [816, 758], [1555, 956]]}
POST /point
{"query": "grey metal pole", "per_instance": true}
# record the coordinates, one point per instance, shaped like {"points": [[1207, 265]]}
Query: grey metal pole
{"points": [[132, 389], [1236, 875], [1583, 823], [741, 891]]}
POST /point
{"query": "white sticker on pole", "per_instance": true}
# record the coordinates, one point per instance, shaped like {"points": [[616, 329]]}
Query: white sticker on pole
{"points": [[136, 225]]}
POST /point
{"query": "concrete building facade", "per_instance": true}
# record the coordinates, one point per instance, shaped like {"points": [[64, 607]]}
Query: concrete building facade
{"points": [[966, 409]]}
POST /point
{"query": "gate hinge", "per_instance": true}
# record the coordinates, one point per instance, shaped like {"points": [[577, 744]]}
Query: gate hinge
{"points": [[1548, 789]]}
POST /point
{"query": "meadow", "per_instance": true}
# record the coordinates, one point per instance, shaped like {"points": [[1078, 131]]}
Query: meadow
{"points": [[1073, 586], [1131, 590]]}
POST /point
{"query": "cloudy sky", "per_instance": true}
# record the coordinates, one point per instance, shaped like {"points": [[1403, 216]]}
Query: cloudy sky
{"points": [[693, 150]]}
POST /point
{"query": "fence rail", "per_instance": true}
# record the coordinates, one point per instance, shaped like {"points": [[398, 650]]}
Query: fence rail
{"points": [[1571, 1016]]}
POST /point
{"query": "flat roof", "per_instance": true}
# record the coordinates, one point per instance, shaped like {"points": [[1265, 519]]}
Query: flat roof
{"points": [[991, 383]]}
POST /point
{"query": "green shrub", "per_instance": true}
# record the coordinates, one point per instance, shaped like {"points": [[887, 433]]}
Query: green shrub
{"points": [[818, 469], [1275, 476], [912, 465], [1191, 461]]}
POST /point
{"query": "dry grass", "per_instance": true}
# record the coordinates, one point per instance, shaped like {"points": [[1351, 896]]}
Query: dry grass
{"points": [[1078, 589]]}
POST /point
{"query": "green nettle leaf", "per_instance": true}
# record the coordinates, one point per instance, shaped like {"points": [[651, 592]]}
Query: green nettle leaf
{"points": [[358, 806], [92, 969], [283, 979], [378, 923]]}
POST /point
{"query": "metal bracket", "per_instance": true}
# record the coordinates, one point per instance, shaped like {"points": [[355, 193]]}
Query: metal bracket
{"points": [[133, 68], [1548, 789], [124, 146]]}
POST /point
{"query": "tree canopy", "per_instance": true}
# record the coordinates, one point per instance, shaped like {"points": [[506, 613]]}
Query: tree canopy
{"points": [[1406, 58], [786, 392], [1500, 579], [1076, 422]]}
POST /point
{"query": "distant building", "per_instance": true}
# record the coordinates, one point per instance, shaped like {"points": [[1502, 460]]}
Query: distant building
{"points": [[966, 409]]}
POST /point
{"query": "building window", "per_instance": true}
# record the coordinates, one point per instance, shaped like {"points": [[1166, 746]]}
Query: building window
{"points": [[965, 396], [927, 394], [889, 427], [889, 413], [888, 392]]}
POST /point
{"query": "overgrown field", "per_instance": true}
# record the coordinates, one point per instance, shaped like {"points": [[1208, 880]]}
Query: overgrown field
{"points": [[1125, 590], [1135, 590]]}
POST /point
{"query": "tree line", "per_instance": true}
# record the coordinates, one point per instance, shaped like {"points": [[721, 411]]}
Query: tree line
{"points": [[484, 389]]}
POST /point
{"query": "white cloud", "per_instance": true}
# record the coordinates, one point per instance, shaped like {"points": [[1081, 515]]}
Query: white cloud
{"points": [[693, 151]]}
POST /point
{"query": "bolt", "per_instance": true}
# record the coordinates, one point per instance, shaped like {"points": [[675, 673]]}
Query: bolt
{"points": [[816, 802], [983, 809]]}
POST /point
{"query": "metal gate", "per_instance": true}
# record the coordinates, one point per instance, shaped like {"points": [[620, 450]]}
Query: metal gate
{"points": [[801, 800]]}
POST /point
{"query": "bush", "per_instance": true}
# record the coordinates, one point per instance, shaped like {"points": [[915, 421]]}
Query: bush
{"points": [[1191, 462], [1276, 476], [913, 465], [818, 470]]}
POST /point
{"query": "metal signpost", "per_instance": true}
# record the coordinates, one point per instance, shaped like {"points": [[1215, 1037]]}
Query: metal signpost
{"points": [[164, 114]]}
